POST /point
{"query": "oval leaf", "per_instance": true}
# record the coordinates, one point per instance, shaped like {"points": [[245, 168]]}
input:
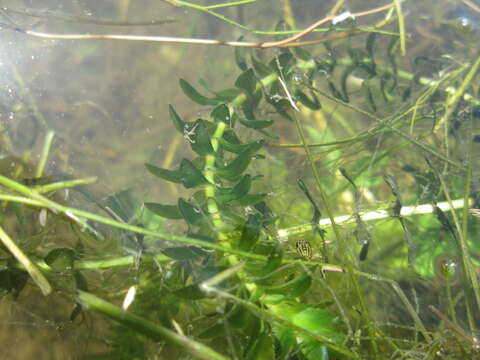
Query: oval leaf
{"points": [[60, 259], [191, 176]]}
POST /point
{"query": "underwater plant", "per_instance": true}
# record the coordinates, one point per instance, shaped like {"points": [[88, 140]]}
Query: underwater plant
{"points": [[260, 265]]}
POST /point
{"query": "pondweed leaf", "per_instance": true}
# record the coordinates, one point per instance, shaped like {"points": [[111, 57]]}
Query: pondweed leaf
{"points": [[194, 95], [221, 113], [247, 82], [228, 95], [60, 259], [176, 119], [190, 213], [191, 292], [166, 211], [250, 232], [311, 103], [241, 56], [184, 252], [237, 166], [191, 176], [200, 139], [238, 148], [261, 69], [256, 124], [174, 176], [293, 288]]}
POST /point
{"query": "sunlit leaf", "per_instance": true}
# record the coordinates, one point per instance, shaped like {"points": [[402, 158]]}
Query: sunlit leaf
{"points": [[166, 211], [273, 262], [60, 259], [194, 95], [293, 288], [262, 348], [169, 175]]}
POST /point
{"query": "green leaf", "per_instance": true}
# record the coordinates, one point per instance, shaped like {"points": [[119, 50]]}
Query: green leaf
{"points": [[174, 176], [191, 292], [302, 54], [261, 69], [238, 148], [213, 331], [177, 120], [183, 253], [166, 211], [237, 192], [255, 124], [12, 280], [60, 259], [191, 214], [282, 63], [247, 82], [228, 95], [194, 95], [370, 44], [200, 139], [233, 170], [250, 232], [273, 262], [241, 56], [251, 199], [221, 113], [262, 348], [313, 104], [191, 176], [293, 288]]}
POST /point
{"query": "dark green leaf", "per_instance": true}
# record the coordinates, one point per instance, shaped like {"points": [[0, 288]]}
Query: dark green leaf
{"points": [[191, 176], [363, 60], [228, 95], [261, 69], [200, 139], [213, 331], [233, 170], [191, 214], [174, 176], [301, 53], [191, 292], [247, 82], [166, 211], [177, 121], [250, 232], [273, 262], [343, 82], [60, 259], [221, 113], [256, 124], [293, 288], [12, 279], [238, 148], [80, 281], [241, 56], [184, 252], [313, 104], [282, 63], [370, 45], [335, 92], [251, 199], [194, 95]]}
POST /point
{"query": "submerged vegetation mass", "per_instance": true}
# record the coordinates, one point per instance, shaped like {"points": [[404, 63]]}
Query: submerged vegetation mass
{"points": [[327, 209]]}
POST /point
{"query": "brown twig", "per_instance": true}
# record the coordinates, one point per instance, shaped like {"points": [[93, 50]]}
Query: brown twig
{"points": [[289, 42]]}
